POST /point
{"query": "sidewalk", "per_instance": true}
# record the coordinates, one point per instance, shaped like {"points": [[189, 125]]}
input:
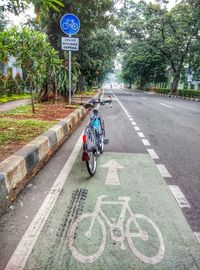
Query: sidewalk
{"points": [[4, 107]]}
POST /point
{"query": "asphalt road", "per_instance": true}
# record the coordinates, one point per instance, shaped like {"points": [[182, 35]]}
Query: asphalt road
{"points": [[172, 127], [157, 139]]}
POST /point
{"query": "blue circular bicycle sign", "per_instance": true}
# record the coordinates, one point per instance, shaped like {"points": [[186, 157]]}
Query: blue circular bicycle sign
{"points": [[70, 24]]}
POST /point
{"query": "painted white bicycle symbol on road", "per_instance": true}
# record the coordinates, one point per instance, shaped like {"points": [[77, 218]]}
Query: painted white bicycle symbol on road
{"points": [[132, 230], [70, 24]]}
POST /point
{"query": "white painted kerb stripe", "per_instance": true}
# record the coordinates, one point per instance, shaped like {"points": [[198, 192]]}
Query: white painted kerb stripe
{"points": [[23, 250], [179, 196], [162, 169], [153, 154]]}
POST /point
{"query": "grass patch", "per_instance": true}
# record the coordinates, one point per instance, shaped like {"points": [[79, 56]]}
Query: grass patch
{"points": [[90, 92], [6, 98], [27, 109], [22, 130]]}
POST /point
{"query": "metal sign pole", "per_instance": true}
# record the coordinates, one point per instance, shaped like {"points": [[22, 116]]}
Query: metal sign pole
{"points": [[70, 75], [70, 25]]}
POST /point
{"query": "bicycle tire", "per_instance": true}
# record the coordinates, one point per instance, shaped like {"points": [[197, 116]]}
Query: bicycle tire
{"points": [[75, 252], [101, 132], [91, 164], [146, 259]]}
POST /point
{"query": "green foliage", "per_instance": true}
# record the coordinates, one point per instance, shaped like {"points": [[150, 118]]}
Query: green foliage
{"points": [[163, 91], [21, 130], [95, 54], [142, 65], [7, 98], [189, 93], [39, 61], [174, 34]]}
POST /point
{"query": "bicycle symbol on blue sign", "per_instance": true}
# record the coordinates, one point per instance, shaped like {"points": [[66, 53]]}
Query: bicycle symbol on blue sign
{"points": [[70, 24]]}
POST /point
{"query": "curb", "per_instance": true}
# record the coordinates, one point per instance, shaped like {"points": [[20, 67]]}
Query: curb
{"points": [[19, 168], [172, 96], [180, 97]]}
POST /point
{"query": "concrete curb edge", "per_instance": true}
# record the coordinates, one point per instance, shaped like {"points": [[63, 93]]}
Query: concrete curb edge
{"points": [[19, 168]]}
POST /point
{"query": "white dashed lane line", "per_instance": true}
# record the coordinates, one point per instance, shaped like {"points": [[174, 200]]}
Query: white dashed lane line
{"points": [[153, 154], [168, 106], [141, 135], [179, 196], [133, 123], [164, 172], [137, 128], [177, 193], [145, 142]]}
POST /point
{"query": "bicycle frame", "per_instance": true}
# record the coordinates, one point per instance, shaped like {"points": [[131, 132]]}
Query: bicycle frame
{"points": [[113, 225]]}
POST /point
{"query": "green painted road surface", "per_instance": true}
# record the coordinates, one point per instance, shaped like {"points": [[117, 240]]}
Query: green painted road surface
{"points": [[122, 218]]}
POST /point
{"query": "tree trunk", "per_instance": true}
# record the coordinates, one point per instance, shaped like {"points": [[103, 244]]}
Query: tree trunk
{"points": [[48, 91], [175, 83], [80, 83]]}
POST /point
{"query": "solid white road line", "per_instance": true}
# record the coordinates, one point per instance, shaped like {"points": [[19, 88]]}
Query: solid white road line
{"points": [[168, 106], [145, 142], [197, 234], [144, 98], [162, 169], [141, 135], [153, 154], [179, 196], [24, 248]]}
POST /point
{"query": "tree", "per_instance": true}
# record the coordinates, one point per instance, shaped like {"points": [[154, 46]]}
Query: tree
{"points": [[172, 33], [95, 17], [142, 65]]}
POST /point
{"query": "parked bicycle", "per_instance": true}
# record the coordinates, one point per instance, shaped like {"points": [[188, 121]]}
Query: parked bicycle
{"points": [[94, 135]]}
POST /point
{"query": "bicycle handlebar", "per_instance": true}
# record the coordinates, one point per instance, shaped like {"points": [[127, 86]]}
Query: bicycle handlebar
{"points": [[94, 102]]}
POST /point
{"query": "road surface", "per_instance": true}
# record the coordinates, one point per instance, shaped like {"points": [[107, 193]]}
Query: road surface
{"points": [[140, 211]]}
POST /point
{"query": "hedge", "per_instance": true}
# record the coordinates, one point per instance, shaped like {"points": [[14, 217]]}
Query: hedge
{"points": [[189, 93], [162, 91]]}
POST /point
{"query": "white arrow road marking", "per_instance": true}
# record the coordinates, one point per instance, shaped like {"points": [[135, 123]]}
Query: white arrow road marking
{"points": [[112, 178]]}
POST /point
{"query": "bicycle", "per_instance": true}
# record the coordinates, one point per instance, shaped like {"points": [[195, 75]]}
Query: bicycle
{"points": [[70, 24], [81, 234], [94, 135]]}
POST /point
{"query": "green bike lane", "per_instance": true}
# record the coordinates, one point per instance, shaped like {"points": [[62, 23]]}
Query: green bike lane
{"points": [[122, 218]]}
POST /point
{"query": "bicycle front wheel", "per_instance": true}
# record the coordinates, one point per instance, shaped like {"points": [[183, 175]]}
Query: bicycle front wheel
{"points": [[85, 242], [101, 133], [91, 148], [145, 239]]}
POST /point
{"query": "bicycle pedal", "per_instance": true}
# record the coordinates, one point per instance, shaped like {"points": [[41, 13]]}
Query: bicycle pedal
{"points": [[106, 141]]}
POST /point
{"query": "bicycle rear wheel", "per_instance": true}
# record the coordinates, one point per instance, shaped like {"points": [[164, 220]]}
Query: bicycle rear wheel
{"points": [[91, 148]]}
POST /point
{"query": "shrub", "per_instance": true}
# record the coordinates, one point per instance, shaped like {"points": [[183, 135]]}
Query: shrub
{"points": [[189, 93], [163, 90]]}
